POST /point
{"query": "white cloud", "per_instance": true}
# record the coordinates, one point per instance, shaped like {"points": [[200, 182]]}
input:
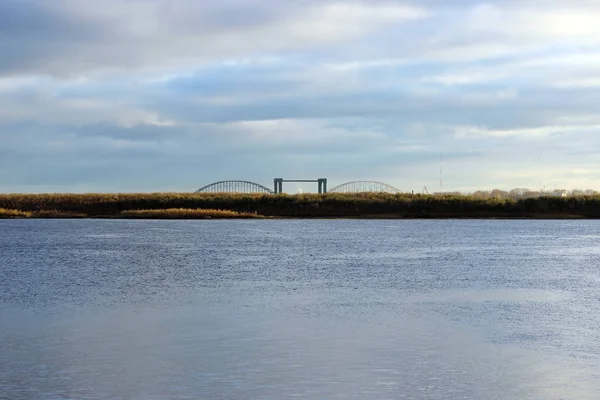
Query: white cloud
{"points": [[465, 78], [551, 20], [159, 35], [500, 29], [343, 20], [578, 83], [290, 132], [471, 132]]}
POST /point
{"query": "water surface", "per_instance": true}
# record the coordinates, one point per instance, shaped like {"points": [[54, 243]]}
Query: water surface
{"points": [[107, 309]]}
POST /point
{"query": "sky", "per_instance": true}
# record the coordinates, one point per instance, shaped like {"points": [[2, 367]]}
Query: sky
{"points": [[171, 95]]}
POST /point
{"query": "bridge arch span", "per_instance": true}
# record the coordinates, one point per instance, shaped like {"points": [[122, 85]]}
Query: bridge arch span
{"points": [[234, 187], [364, 186]]}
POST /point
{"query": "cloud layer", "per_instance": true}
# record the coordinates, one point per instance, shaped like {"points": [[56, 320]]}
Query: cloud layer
{"points": [[170, 95]]}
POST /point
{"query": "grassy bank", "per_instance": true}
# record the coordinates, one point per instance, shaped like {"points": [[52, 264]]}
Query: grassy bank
{"points": [[186, 213], [8, 213], [331, 205], [11, 213]]}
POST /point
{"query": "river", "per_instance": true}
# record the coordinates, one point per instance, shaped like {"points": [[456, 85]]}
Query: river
{"points": [[303, 309]]}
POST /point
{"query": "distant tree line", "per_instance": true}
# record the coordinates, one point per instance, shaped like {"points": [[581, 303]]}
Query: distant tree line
{"points": [[522, 193]]}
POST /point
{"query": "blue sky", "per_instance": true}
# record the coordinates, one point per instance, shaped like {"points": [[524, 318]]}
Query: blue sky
{"points": [[170, 95]]}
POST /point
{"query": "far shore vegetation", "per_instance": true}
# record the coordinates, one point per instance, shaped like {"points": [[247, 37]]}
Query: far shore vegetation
{"points": [[186, 213], [330, 205]]}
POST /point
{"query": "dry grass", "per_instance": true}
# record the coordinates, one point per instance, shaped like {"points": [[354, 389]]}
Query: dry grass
{"points": [[57, 214], [11, 213], [6, 213], [201, 205], [186, 213]]}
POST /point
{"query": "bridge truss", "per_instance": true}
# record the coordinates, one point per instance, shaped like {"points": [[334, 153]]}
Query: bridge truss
{"points": [[234, 187], [364, 186]]}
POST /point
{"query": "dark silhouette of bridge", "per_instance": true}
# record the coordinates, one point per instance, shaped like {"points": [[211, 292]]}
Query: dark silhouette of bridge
{"points": [[364, 186], [235, 186]]}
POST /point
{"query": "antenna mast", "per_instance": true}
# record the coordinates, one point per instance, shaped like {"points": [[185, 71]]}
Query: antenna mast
{"points": [[441, 172]]}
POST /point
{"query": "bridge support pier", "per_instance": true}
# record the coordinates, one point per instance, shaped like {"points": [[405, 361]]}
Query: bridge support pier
{"points": [[278, 183], [322, 185]]}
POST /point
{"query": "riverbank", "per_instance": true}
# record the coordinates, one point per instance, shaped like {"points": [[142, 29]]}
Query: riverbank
{"points": [[331, 205]]}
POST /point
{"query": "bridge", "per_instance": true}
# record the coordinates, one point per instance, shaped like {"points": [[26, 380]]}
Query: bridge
{"points": [[235, 186], [364, 186]]}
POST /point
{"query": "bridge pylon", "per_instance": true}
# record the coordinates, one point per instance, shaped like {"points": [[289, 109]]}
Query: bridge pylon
{"points": [[278, 184]]}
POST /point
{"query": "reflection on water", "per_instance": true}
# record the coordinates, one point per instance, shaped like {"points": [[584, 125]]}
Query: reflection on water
{"points": [[299, 309]]}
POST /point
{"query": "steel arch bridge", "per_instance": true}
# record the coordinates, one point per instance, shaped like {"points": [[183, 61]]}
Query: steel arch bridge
{"points": [[234, 187], [364, 186]]}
